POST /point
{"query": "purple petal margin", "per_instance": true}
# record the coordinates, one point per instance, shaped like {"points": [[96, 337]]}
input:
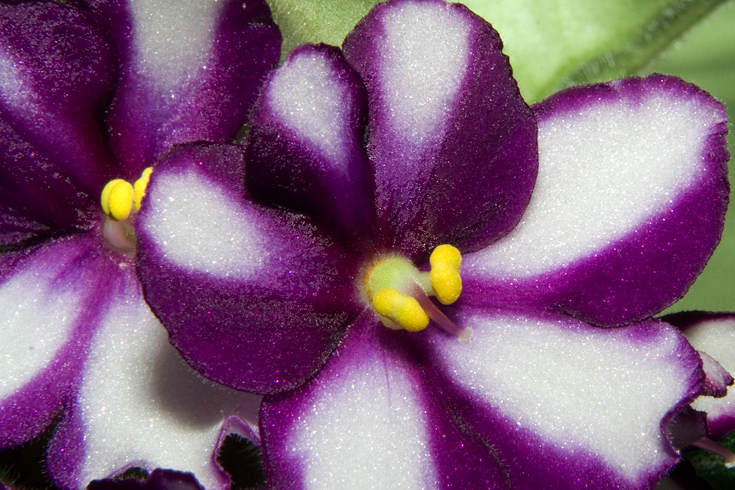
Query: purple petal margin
{"points": [[655, 262], [263, 330], [470, 180], [532, 460], [34, 406], [211, 104], [457, 457]]}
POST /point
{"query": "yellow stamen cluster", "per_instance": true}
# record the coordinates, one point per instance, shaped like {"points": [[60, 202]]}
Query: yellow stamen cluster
{"points": [[394, 286], [120, 198]]}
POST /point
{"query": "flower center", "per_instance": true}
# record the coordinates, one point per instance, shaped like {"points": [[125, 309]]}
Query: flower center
{"points": [[399, 292], [120, 201]]}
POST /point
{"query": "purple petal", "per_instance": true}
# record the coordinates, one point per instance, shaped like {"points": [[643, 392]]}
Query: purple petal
{"points": [[191, 71], [712, 334], [305, 142], [56, 74], [366, 421], [627, 170], [267, 294], [49, 304], [452, 143], [139, 404], [568, 405]]}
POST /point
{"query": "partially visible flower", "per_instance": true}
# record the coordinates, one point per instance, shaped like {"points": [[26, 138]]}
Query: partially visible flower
{"points": [[713, 335], [361, 164], [91, 91]]}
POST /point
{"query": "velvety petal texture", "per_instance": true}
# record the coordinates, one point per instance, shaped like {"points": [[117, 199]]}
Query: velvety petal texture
{"points": [[265, 289], [50, 137], [50, 304], [139, 404], [451, 141], [627, 170], [713, 335], [79, 345], [412, 136], [305, 142], [368, 421], [190, 71], [565, 404]]}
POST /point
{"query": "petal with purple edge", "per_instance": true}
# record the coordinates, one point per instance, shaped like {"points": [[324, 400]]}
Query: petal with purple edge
{"points": [[587, 406], [49, 300], [191, 71], [52, 141], [627, 170], [305, 142], [713, 334], [367, 421], [139, 404], [267, 293], [451, 141]]}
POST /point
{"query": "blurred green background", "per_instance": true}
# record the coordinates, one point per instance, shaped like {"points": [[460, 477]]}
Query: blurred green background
{"points": [[706, 56]]}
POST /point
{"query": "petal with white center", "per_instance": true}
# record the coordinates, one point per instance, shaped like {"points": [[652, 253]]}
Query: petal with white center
{"points": [[452, 144], [568, 405], [191, 70], [366, 422], [53, 158], [627, 170], [49, 301], [713, 334], [139, 404], [305, 142], [266, 293]]}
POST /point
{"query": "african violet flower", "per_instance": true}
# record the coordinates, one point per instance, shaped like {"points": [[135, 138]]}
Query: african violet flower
{"points": [[93, 92], [412, 140]]}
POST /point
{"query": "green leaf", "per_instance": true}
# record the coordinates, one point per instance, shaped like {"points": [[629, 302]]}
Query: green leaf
{"points": [[553, 44], [706, 57], [314, 21]]}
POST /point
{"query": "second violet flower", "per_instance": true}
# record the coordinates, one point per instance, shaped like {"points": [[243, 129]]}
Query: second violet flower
{"points": [[262, 266]]}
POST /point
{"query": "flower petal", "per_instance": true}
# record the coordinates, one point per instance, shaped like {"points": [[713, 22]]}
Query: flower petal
{"points": [[305, 140], [265, 293], [49, 300], [366, 421], [713, 334], [628, 169], [56, 73], [139, 404], [452, 143], [587, 406], [191, 71]]}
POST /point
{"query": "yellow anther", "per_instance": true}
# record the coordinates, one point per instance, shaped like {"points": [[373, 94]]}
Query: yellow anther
{"points": [[140, 186], [117, 199], [105, 199], [445, 262], [403, 310]]}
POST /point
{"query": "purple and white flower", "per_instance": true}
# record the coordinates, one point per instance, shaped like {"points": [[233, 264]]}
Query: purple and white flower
{"points": [[578, 218], [91, 91]]}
